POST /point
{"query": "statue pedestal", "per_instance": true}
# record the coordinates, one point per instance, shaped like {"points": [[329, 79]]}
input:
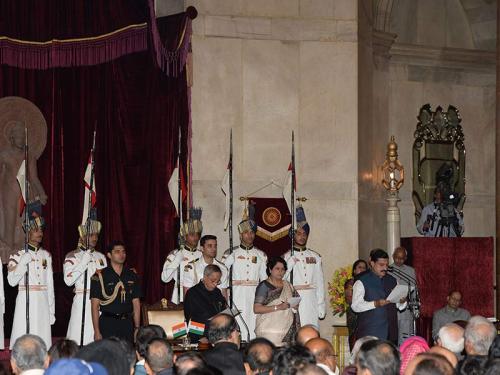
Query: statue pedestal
{"points": [[393, 222]]}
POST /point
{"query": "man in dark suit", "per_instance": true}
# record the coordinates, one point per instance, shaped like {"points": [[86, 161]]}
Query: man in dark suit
{"points": [[224, 334], [376, 315]]}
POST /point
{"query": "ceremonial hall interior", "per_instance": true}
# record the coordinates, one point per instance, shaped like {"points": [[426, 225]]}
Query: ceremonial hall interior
{"points": [[350, 109]]}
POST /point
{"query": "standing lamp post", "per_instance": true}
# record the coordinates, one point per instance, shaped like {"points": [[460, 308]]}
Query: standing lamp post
{"points": [[393, 179]]}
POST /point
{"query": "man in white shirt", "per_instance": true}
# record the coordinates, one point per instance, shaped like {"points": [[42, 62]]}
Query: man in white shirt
{"points": [[193, 272], [29, 356], [325, 356]]}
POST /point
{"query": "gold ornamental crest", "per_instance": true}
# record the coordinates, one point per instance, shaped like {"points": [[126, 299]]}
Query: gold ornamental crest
{"points": [[271, 216]]}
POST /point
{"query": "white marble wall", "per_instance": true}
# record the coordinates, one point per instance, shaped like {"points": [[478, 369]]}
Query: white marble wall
{"points": [[265, 68]]}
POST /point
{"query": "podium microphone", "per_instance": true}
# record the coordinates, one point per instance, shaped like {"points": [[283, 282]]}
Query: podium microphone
{"points": [[243, 320]]}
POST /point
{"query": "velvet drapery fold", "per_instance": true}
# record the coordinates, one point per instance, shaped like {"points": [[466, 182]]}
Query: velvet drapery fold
{"points": [[136, 110]]}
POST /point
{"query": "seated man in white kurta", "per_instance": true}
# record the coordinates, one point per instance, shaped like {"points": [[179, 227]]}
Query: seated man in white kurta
{"points": [[179, 258], [193, 272], [249, 268], [85, 257], [40, 286], [307, 274]]}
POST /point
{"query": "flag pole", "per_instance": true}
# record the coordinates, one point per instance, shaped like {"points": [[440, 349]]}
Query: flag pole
{"points": [[231, 216], [292, 195], [179, 205], [87, 239], [26, 231]]}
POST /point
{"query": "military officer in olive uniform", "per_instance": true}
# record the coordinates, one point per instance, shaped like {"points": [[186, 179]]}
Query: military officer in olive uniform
{"points": [[179, 259], [116, 293]]}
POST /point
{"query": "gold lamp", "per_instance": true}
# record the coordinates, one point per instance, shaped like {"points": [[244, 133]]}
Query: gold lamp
{"points": [[393, 172]]}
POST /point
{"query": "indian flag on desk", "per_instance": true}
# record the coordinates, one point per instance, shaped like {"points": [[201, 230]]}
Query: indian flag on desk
{"points": [[182, 329]]}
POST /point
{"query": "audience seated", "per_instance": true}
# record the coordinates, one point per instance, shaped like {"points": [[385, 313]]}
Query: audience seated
{"points": [[378, 357], [494, 352], [324, 354], [311, 370], [259, 356], [290, 359], [73, 366], [433, 364], [144, 334], [410, 348], [306, 333], [351, 368], [479, 335], [189, 361], [450, 313], [223, 333], [108, 353], [29, 355], [63, 348], [451, 357], [471, 365], [451, 337], [128, 352], [159, 357]]}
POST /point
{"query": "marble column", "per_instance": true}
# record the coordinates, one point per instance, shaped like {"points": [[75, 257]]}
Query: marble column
{"points": [[393, 223]]}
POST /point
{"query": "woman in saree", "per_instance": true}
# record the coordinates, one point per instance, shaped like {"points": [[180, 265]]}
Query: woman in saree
{"points": [[275, 305], [358, 268]]}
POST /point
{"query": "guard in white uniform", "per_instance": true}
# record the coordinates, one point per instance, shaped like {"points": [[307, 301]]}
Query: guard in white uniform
{"points": [[307, 274], [40, 285], [178, 259], [2, 308], [194, 269], [249, 268], [75, 264]]}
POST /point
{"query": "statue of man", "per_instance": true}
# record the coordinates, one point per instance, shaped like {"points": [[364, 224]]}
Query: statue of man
{"points": [[11, 236]]}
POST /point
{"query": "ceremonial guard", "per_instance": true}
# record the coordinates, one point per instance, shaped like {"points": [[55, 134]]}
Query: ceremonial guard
{"points": [[179, 259], [307, 273], [85, 257], [249, 268], [194, 269], [2, 308], [115, 293], [38, 262]]}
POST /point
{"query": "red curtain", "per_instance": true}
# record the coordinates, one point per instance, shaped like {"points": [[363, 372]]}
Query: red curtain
{"points": [[137, 112], [446, 264]]}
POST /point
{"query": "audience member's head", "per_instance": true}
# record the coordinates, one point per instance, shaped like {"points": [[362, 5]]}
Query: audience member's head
{"points": [[259, 356], [223, 328], [289, 360], [159, 355], [377, 357], [494, 352], [306, 333], [479, 334], [128, 352], [433, 364], [309, 369], [454, 299], [450, 356], [471, 365], [189, 361], [451, 337], [74, 366], [63, 348], [29, 353], [358, 267], [108, 353], [492, 367], [357, 346], [146, 333], [410, 348], [323, 352]]}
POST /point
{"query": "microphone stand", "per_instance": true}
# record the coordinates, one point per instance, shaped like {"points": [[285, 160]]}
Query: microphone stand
{"points": [[26, 232]]}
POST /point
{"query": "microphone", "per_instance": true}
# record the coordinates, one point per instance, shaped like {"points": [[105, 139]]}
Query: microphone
{"points": [[409, 279], [243, 320]]}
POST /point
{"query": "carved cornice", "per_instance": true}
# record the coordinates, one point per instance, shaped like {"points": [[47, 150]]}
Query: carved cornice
{"points": [[455, 58]]}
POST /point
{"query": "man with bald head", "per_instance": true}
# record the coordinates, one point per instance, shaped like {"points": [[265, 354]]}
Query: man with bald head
{"points": [[259, 356], [306, 333], [324, 354], [450, 313], [159, 357], [224, 335], [479, 335]]}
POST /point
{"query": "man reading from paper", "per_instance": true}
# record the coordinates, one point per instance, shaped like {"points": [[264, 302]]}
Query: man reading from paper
{"points": [[376, 314], [203, 301]]}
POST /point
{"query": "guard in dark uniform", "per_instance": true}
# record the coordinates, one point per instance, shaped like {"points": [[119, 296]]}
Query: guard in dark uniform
{"points": [[116, 293]]}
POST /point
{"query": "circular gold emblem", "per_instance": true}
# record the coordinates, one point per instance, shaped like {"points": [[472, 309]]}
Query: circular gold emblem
{"points": [[271, 216]]}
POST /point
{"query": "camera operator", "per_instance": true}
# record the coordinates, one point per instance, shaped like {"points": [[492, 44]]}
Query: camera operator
{"points": [[440, 218]]}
